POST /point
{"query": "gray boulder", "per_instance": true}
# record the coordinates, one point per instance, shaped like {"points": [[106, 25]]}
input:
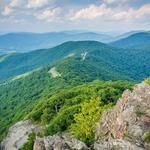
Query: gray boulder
{"points": [[59, 142], [18, 135]]}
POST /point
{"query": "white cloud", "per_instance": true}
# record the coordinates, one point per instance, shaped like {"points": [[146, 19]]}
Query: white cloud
{"points": [[49, 14], [91, 12], [132, 14], [10, 7], [35, 9], [7, 11], [144, 10], [15, 3], [115, 1], [11, 19], [104, 12], [37, 3], [109, 13]]}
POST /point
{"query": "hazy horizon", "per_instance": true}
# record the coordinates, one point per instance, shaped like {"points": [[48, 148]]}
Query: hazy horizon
{"points": [[76, 31]]}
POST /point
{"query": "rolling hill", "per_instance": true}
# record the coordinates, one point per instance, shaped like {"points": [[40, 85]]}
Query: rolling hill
{"points": [[132, 64], [19, 63], [139, 40], [24, 42]]}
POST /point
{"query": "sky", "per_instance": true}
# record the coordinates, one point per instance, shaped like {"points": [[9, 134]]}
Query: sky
{"points": [[59, 15]]}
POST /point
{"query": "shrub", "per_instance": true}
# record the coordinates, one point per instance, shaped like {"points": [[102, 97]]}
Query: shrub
{"points": [[85, 121], [126, 134], [139, 112], [147, 137], [61, 122], [147, 81]]}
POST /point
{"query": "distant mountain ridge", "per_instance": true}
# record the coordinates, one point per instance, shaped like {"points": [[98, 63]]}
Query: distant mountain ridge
{"points": [[24, 42], [139, 40], [27, 41]]}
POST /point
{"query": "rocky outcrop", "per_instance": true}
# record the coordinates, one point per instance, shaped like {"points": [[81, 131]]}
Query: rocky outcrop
{"points": [[127, 125], [18, 135], [59, 142]]}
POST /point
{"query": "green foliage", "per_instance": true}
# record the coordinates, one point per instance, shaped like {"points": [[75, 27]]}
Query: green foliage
{"points": [[48, 108], [85, 121], [139, 112], [54, 102], [147, 81], [102, 61], [30, 143], [20, 63], [57, 112], [18, 97], [88, 70], [138, 41], [147, 137], [61, 122], [45, 96], [126, 134]]}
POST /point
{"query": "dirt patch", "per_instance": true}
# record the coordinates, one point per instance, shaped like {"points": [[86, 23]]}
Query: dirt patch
{"points": [[54, 72]]}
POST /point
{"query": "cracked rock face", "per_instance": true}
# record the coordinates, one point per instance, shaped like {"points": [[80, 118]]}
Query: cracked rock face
{"points": [[18, 135], [59, 142], [124, 127]]}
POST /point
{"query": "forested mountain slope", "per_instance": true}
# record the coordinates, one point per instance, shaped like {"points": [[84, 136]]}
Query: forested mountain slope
{"points": [[15, 64], [19, 95], [132, 63], [73, 63]]}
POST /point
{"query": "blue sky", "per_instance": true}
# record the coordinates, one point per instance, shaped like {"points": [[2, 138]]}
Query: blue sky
{"points": [[58, 15]]}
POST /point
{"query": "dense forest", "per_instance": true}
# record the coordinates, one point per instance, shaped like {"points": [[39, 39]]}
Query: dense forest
{"points": [[19, 95], [67, 88], [127, 64]]}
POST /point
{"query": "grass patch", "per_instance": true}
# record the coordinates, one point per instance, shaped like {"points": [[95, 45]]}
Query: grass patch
{"points": [[147, 137]]}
